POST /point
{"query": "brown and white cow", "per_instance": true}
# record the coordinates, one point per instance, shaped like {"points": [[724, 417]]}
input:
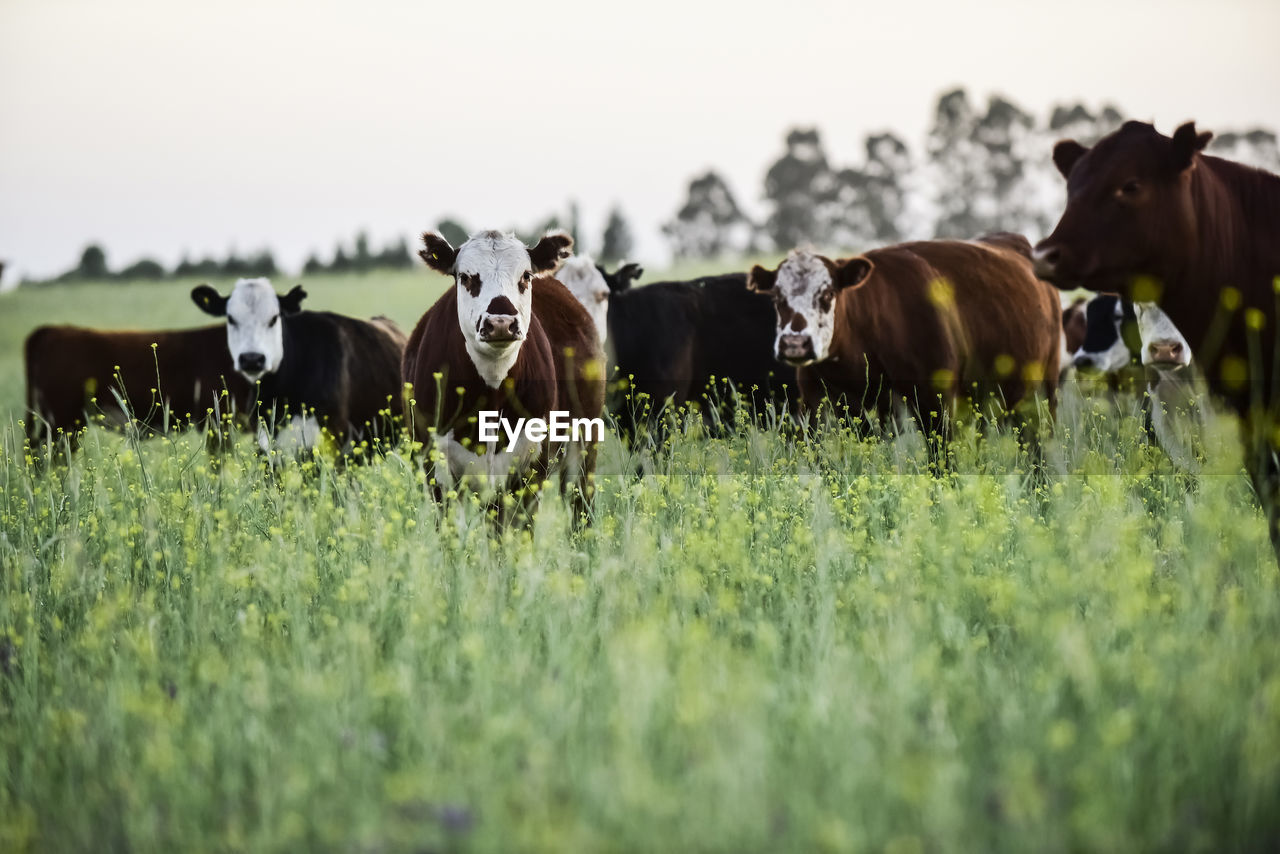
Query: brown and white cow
{"points": [[918, 323], [1153, 218], [509, 341], [166, 378]]}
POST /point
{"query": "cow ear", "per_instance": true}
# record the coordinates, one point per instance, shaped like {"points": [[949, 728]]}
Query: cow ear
{"points": [[761, 280], [1186, 142], [853, 272], [209, 300], [551, 251], [624, 276], [1065, 155], [437, 252], [291, 303]]}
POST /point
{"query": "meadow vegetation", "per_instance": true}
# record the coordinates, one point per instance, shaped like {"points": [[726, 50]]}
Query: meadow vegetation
{"points": [[763, 643]]}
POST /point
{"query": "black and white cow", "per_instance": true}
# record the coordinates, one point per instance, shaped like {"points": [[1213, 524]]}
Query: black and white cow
{"points": [[314, 371]]}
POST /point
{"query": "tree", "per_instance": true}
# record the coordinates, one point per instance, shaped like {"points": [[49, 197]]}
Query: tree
{"points": [[313, 265], [395, 256], [868, 205], [362, 261], [796, 185], [1255, 148], [617, 242], [143, 269], [93, 263], [710, 223]]}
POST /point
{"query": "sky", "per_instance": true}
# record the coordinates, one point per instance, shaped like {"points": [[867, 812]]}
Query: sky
{"points": [[164, 128]]}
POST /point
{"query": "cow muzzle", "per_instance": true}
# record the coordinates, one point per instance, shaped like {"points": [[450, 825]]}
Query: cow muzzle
{"points": [[795, 349], [500, 329], [252, 365], [1048, 260], [1167, 353]]}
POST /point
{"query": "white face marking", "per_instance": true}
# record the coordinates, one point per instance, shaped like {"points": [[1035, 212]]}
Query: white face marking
{"points": [[254, 334], [807, 299], [1161, 340], [493, 276], [584, 281], [482, 473]]}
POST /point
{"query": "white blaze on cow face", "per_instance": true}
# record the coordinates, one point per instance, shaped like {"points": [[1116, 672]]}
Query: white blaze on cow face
{"points": [[1163, 346], [495, 301], [254, 333], [585, 281]]}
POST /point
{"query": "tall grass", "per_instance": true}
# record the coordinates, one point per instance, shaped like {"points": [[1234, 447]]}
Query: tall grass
{"points": [[765, 643]]}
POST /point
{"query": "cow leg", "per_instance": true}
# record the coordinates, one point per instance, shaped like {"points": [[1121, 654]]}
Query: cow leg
{"points": [[1263, 466]]}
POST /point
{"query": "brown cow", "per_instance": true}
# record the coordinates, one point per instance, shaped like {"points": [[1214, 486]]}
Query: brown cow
{"points": [[505, 343], [1153, 218], [166, 378], [917, 322]]}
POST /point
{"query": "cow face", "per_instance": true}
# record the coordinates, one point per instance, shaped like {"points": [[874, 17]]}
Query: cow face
{"points": [[493, 273], [620, 279], [1104, 349], [1129, 209], [255, 335], [805, 288], [1163, 346], [587, 283]]}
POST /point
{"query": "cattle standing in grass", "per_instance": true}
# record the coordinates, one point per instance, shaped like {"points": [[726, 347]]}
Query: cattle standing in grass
{"points": [[917, 324], [166, 378], [509, 341], [1153, 218], [312, 370], [674, 343]]}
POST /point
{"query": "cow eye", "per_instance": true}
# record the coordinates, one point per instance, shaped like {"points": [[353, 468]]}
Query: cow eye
{"points": [[1129, 189], [231, 320], [602, 297], [272, 322], [525, 280]]}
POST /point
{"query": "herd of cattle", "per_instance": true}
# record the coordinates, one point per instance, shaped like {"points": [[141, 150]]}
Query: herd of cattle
{"points": [[1182, 247]]}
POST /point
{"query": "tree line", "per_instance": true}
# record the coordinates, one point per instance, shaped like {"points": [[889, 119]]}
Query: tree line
{"points": [[982, 168]]}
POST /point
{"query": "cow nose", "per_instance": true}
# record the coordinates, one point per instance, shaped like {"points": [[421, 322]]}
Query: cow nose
{"points": [[252, 363], [795, 347], [1167, 352], [1082, 361], [500, 327], [1045, 259]]}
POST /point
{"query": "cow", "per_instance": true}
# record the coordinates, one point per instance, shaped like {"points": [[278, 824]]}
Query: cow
{"points": [[506, 342], [154, 380], [917, 323], [1074, 326], [1153, 218], [312, 371], [1111, 342], [586, 281], [677, 342]]}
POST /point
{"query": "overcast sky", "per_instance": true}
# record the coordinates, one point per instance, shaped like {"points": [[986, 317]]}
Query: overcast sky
{"points": [[161, 128]]}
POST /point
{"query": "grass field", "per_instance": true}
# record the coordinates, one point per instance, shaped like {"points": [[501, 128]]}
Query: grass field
{"points": [[765, 645]]}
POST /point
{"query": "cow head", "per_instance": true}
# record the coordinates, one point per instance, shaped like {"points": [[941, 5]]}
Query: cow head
{"points": [[493, 273], [255, 335], [1129, 209], [587, 283], [620, 279], [804, 290], [1163, 346], [1104, 348]]}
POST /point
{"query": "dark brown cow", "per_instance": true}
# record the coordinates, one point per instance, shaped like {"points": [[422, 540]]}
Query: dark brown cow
{"points": [[1153, 218], [509, 342], [167, 378], [917, 322]]}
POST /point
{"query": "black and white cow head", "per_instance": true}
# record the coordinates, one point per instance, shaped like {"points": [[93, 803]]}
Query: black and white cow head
{"points": [[804, 289], [493, 273], [1108, 321], [255, 335]]}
